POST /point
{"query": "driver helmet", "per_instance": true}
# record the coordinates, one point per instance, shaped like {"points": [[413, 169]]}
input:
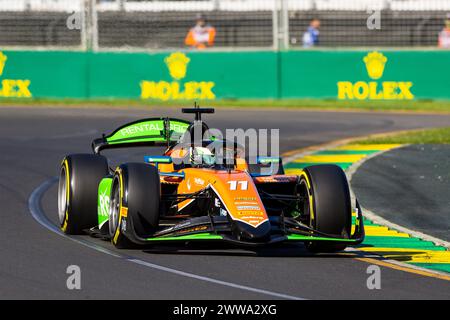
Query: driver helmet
{"points": [[202, 156]]}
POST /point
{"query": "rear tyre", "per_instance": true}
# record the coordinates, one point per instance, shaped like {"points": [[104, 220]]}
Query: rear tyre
{"points": [[328, 205], [135, 195], [79, 178]]}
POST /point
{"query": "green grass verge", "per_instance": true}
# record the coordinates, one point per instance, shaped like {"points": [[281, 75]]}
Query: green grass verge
{"points": [[431, 136], [440, 106]]}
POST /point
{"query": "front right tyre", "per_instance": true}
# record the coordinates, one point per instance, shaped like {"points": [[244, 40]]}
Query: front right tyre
{"points": [[326, 204]]}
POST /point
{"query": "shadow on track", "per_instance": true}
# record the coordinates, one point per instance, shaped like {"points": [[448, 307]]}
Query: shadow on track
{"points": [[217, 249]]}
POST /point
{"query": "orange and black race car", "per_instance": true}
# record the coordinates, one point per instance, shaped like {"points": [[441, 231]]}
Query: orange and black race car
{"points": [[202, 189]]}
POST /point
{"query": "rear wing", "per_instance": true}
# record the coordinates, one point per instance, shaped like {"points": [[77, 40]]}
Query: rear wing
{"points": [[151, 132]]}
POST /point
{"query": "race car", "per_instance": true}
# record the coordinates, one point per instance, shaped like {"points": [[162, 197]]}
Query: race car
{"points": [[202, 189]]}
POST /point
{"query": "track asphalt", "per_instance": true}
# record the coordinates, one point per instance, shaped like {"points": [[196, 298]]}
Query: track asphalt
{"points": [[410, 187]]}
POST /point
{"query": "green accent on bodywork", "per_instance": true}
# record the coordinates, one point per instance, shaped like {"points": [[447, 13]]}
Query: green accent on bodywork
{"points": [[295, 213], [148, 130], [298, 237], [197, 236], [104, 193]]}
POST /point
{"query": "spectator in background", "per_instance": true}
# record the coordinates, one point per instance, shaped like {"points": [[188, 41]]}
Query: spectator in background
{"points": [[311, 36], [202, 35], [444, 35]]}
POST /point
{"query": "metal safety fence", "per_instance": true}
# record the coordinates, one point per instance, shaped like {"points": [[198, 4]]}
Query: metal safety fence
{"points": [[222, 24]]}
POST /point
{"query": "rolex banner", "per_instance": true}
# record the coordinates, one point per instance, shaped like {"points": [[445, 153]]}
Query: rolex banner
{"points": [[184, 75], [366, 75], [28, 74], [206, 76]]}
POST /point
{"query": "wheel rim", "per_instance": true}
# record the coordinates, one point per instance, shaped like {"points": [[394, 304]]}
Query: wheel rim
{"points": [[114, 209], [62, 195], [304, 205]]}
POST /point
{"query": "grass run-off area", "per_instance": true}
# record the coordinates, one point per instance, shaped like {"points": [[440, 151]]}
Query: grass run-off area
{"points": [[432, 106], [429, 136]]}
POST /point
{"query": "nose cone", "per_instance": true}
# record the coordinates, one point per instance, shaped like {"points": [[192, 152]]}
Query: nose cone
{"points": [[245, 232], [240, 197]]}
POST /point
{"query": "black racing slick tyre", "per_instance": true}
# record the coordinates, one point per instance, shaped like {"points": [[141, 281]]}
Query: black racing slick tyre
{"points": [[79, 178], [135, 196], [329, 205]]}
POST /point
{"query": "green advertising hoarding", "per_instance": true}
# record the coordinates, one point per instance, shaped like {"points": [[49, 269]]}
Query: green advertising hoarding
{"points": [[43, 74], [184, 75], [166, 76], [366, 75]]}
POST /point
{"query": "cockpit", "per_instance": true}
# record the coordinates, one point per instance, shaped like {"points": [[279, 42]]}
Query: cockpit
{"points": [[214, 154]]}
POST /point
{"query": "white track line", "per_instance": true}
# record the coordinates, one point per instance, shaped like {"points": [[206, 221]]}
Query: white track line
{"points": [[34, 205]]}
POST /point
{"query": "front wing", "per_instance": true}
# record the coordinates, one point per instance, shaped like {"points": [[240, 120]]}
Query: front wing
{"points": [[217, 228]]}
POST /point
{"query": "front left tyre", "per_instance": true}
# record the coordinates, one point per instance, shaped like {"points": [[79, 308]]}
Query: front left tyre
{"points": [[135, 198], [79, 178]]}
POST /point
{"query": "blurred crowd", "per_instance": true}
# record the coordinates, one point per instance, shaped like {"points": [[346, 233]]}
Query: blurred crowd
{"points": [[202, 35]]}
